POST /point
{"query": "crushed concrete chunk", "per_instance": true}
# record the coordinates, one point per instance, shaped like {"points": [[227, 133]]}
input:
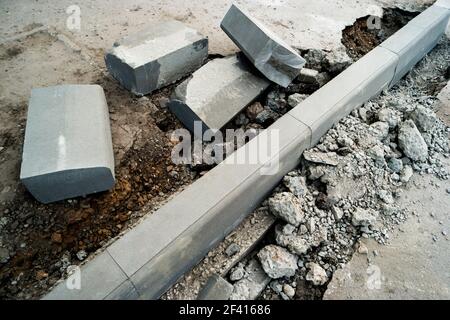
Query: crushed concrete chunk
{"points": [[296, 98], [215, 102], [296, 184], [380, 130], [308, 76], [157, 56], [251, 286], [424, 118], [316, 274], [364, 217], [270, 55], [277, 262], [329, 158], [406, 174], [411, 142], [232, 249], [68, 149], [287, 207]]}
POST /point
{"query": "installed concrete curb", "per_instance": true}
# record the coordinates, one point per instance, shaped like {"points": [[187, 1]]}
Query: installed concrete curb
{"points": [[169, 242]]}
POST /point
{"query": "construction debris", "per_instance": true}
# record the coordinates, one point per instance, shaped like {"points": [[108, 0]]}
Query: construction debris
{"points": [[277, 262], [68, 148], [216, 288], [157, 56], [250, 286], [270, 55], [287, 207], [214, 103], [347, 186]]}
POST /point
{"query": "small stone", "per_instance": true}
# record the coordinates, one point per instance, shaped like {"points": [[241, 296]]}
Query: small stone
{"points": [[241, 120], [396, 165], [296, 184], [364, 217], [388, 115], [362, 249], [287, 207], [406, 174], [295, 244], [338, 213], [4, 255], [315, 172], [266, 115], [276, 286], [254, 282], [315, 59], [277, 262], [311, 225], [253, 110], [363, 114], [41, 274], [411, 142], [289, 291], [237, 273], [316, 274], [330, 158], [377, 154], [81, 255], [385, 196], [56, 237], [288, 229], [295, 99], [309, 76], [448, 190], [380, 130], [424, 118], [232, 249], [338, 61]]}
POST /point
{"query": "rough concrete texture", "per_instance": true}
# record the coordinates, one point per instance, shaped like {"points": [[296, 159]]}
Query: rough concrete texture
{"points": [[361, 81], [216, 288], [302, 23], [443, 105], [68, 149], [252, 283], [216, 93], [157, 56], [269, 53], [415, 263]]}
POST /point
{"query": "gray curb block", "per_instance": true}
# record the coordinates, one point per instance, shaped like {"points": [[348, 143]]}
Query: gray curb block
{"points": [[151, 257]]}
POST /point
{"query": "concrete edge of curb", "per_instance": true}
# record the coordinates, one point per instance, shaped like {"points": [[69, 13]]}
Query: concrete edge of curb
{"points": [[151, 257]]}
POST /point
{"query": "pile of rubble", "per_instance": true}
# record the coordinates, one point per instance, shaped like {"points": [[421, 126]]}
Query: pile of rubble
{"points": [[346, 188]]}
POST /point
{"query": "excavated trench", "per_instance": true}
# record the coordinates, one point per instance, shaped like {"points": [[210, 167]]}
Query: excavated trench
{"points": [[42, 240], [429, 77]]}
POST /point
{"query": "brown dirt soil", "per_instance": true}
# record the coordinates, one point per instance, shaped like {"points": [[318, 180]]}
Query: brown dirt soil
{"points": [[359, 39], [42, 240]]}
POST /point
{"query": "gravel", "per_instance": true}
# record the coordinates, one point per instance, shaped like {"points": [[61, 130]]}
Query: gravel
{"points": [[346, 187]]}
